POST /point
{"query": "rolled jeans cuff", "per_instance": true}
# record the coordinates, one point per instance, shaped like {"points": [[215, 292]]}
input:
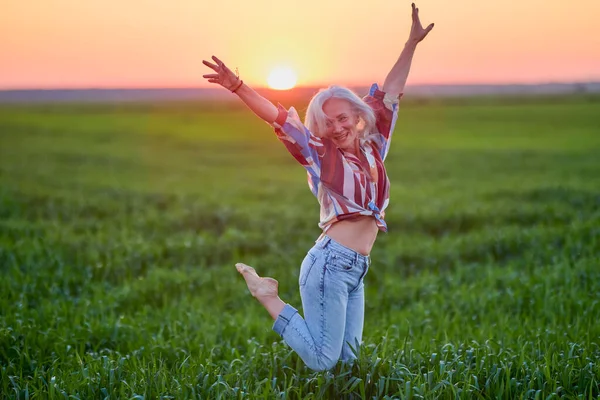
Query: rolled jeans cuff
{"points": [[284, 318]]}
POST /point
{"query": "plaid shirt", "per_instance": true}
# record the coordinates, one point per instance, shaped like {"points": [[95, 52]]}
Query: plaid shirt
{"points": [[346, 186]]}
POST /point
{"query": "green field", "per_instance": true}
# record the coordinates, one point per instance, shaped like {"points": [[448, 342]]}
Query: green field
{"points": [[120, 226]]}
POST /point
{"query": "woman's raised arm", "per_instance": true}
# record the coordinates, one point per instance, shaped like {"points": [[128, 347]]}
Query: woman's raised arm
{"points": [[226, 78], [396, 80]]}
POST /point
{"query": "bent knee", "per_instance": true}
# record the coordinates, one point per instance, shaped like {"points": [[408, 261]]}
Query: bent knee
{"points": [[322, 363]]}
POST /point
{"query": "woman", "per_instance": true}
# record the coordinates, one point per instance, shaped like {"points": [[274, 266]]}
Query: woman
{"points": [[342, 145]]}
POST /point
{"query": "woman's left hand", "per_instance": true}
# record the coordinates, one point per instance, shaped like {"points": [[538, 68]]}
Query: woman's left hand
{"points": [[417, 32]]}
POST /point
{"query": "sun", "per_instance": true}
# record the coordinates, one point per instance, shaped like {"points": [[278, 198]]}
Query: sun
{"points": [[282, 78]]}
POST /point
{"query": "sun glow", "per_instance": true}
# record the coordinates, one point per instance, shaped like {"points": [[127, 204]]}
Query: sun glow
{"points": [[282, 78]]}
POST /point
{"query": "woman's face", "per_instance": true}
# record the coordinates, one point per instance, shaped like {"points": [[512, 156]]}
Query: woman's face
{"points": [[341, 123]]}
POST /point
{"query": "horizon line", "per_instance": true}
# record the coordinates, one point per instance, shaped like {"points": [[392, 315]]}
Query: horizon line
{"points": [[262, 87]]}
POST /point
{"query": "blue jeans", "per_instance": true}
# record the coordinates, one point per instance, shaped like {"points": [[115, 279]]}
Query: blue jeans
{"points": [[333, 300]]}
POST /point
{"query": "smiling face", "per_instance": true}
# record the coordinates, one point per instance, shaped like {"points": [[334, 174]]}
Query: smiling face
{"points": [[341, 123]]}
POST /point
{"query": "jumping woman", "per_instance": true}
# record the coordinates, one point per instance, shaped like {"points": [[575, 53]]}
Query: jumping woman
{"points": [[342, 144]]}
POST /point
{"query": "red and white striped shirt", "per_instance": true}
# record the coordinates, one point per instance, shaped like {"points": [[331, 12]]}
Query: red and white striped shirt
{"points": [[345, 185]]}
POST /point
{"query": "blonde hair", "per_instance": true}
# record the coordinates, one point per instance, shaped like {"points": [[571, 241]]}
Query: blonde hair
{"points": [[316, 120]]}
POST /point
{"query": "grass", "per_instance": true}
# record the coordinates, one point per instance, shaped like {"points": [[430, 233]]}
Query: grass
{"points": [[120, 225]]}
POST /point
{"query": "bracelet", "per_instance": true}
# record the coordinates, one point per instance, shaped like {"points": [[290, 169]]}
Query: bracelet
{"points": [[238, 86]]}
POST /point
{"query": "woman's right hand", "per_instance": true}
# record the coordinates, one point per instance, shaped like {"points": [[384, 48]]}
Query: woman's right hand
{"points": [[224, 76], [230, 81]]}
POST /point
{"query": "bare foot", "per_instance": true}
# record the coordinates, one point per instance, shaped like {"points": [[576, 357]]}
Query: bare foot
{"points": [[259, 287], [264, 289]]}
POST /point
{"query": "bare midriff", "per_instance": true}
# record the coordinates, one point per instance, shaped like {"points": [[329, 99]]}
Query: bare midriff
{"points": [[358, 234]]}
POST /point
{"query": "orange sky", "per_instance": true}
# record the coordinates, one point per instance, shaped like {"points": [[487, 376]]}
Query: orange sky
{"points": [[160, 43]]}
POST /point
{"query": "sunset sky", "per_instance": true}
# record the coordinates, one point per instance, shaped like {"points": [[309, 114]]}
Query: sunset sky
{"points": [[159, 43]]}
